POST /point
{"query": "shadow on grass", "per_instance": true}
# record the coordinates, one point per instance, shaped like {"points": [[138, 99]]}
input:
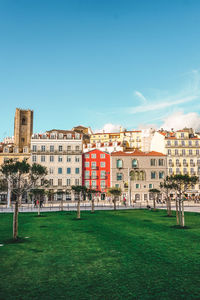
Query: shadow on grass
{"points": [[81, 219], [40, 216], [180, 227], [19, 240], [43, 226], [168, 216]]}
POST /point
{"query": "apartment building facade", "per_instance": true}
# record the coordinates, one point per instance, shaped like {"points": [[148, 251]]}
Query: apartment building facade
{"points": [[96, 171], [137, 172], [60, 151]]}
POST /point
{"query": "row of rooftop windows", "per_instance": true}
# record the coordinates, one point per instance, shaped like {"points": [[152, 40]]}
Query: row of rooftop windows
{"points": [[52, 158], [52, 148], [183, 152], [183, 143], [56, 136]]}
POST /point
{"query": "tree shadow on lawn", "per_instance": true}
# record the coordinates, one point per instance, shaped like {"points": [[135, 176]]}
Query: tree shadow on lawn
{"points": [[180, 227], [19, 240]]}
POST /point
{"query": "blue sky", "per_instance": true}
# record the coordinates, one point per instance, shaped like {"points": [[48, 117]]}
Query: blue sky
{"points": [[93, 62]]}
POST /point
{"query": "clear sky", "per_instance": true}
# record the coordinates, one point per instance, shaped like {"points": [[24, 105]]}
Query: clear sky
{"points": [[93, 62]]}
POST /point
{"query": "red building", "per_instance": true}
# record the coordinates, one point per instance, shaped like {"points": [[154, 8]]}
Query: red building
{"points": [[96, 170]]}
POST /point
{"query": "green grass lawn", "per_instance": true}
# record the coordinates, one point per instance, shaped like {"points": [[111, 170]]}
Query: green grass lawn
{"points": [[135, 254]]}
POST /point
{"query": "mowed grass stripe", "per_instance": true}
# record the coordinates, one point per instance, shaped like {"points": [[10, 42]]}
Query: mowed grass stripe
{"points": [[109, 255]]}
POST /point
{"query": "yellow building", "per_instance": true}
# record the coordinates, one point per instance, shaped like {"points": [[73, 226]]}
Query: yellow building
{"points": [[129, 139], [183, 151]]}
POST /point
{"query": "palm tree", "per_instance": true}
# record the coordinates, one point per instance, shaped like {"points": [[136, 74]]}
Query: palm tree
{"points": [[155, 193], [21, 177], [181, 183], [115, 192], [81, 192]]}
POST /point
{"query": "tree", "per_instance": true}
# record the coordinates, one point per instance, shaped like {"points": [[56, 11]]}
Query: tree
{"points": [[49, 194], [167, 186], [155, 193], [181, 183], [22, 177], [115, 192], [90, 193], [81, 192], [61, 193]]}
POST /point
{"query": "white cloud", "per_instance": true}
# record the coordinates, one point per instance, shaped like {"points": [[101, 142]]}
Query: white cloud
{"points": [[109, 127], [189, 93], [179, 120]]}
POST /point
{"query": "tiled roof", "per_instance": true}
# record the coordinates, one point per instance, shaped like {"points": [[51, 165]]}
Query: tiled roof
{"points": [[137, 153]]}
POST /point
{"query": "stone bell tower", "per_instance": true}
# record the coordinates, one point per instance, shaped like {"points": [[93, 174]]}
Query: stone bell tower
{"points": [[23, 128]]}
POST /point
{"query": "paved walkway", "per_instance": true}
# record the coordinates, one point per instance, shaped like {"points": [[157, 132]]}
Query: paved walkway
{"points": [[191, 207]]}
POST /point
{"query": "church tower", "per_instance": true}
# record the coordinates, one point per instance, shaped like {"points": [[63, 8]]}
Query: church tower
{"points": [[23, 128]]}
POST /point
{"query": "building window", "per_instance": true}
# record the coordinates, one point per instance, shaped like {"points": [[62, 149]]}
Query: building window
{"points": [[69, 148], [103, 164], [161, 175], [60, 148], [197, 152], [59, 158], [183, 143], [119, 176], [134, 163], [153, 175], [183, 152], [150, 186], [94, 174], [94, 184], [77, 171], [190, 143], [77, 148], [197, 143], [51, 170], [168, 143], [93, 155], [169, 152], [93, 166], [119, 163], [43, 148], [170, 171], [34, 158], [51, 182], [182, 134], [68, 170], [176, 152], [177, 171], [51, 148], [103, 155], [103, 184], [103, 174], [68, 158], [59, 170], [117, 185], [87, 164], [87, 183], [76, 181], [153, 162], [137, 186], [87, 174], [190, 152], [34, 148], [176, 143], [77, 159], [68, 182], [42, 158], [60, 182], [161, 162], [51, 158], [87, 155]]}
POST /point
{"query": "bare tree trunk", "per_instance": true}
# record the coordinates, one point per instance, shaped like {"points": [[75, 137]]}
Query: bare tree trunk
{"points": [[179, 208], [78, 209], [62, 203], [114, 202], [39, 207], [183, 217], [15, 220], [154, 203], [170, 207], [92, 206], [177, 218]]}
